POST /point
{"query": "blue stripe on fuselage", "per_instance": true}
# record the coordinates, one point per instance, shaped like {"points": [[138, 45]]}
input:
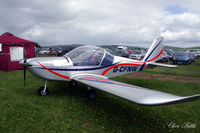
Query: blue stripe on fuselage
{"points": [[81, 69]]}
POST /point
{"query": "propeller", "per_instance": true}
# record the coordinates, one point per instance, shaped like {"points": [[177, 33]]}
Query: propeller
{"points": [[24, 53]]}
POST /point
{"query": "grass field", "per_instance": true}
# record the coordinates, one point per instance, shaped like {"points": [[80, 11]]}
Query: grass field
{"points": [[69, 110], [192, 70]]}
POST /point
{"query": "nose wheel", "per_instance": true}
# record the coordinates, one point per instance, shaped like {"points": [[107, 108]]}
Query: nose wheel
{"points": [[43, 91]]}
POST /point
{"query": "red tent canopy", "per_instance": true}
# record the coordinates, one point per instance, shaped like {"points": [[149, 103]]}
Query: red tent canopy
{"points": [[11, 51], [8, 38]]}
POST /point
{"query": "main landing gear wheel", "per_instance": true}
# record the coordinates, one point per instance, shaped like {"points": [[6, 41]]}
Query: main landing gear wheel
{"points": [[91, 93], [42, 91]]}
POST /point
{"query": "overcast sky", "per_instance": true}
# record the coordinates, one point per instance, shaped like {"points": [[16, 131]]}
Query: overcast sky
{"points": [[132, 22]]}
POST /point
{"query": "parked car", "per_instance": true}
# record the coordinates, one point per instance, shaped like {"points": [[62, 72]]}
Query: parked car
{"points": [[193, 56], [122, 53], [170, 53], [59, 51], [51, 51], [182, 58], [137, 55], [130, 51], [165, 57], [43, 51], [198, 53]]}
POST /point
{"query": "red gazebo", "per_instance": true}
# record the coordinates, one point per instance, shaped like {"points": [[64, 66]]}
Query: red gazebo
{"points": [[11, 51]]}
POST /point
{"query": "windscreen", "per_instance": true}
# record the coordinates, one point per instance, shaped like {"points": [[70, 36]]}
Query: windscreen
{"points": [[86, 55]]}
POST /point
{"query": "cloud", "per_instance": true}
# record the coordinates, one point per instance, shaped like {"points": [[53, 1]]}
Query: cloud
{"points": [[182, 28], [51, 22]]}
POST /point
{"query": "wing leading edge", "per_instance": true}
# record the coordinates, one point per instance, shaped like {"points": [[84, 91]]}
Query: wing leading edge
{"points": [[133, 93]]}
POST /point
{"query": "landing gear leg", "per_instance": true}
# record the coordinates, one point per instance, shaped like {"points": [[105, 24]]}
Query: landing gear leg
{"points": [[43, 91], [91, 93], [72, 83]]}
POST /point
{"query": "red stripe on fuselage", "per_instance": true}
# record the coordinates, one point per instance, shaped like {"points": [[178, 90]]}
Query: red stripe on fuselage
{"points": [[60, 75], [103, 73], [124, 64]]}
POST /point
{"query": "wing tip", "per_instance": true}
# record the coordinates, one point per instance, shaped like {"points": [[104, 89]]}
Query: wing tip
{"points": [[178, 99]]}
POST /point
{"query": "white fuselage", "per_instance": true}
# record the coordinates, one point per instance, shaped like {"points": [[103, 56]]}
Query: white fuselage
{"points": [[61, 68]]}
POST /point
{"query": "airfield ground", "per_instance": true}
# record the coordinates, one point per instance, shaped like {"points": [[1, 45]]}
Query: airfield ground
{"points": [[146, 75], [68, 109]]}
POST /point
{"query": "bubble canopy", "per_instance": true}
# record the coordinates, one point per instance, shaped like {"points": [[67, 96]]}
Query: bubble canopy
{"points": [[88, 56]]}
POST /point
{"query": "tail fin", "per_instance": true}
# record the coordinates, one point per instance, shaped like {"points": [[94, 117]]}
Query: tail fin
{"points": [[154, 52]]}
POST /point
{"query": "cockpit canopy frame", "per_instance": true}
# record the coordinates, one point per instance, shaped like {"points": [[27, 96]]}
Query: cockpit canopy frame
{"points": [[90, 56]]}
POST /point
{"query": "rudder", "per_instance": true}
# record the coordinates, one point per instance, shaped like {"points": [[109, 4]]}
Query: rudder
{"points": [[154, 52]]}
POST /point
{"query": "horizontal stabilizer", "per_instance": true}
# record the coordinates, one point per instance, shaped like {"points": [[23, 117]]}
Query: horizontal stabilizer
{"points": [[163, 65]]}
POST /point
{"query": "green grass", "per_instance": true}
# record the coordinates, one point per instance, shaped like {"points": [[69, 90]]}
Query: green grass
{"points": [[192, 70], [69, 110]]}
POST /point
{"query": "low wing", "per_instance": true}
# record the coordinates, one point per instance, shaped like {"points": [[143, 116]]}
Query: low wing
{"points": [[163, 65], [133, 93]]}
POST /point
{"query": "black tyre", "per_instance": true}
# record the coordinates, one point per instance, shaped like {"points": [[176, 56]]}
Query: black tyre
{"points": [[91, 94], [41, 91]]}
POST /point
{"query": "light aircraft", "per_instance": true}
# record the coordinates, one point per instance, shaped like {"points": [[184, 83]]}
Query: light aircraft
{"points": [[92, 66]]}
